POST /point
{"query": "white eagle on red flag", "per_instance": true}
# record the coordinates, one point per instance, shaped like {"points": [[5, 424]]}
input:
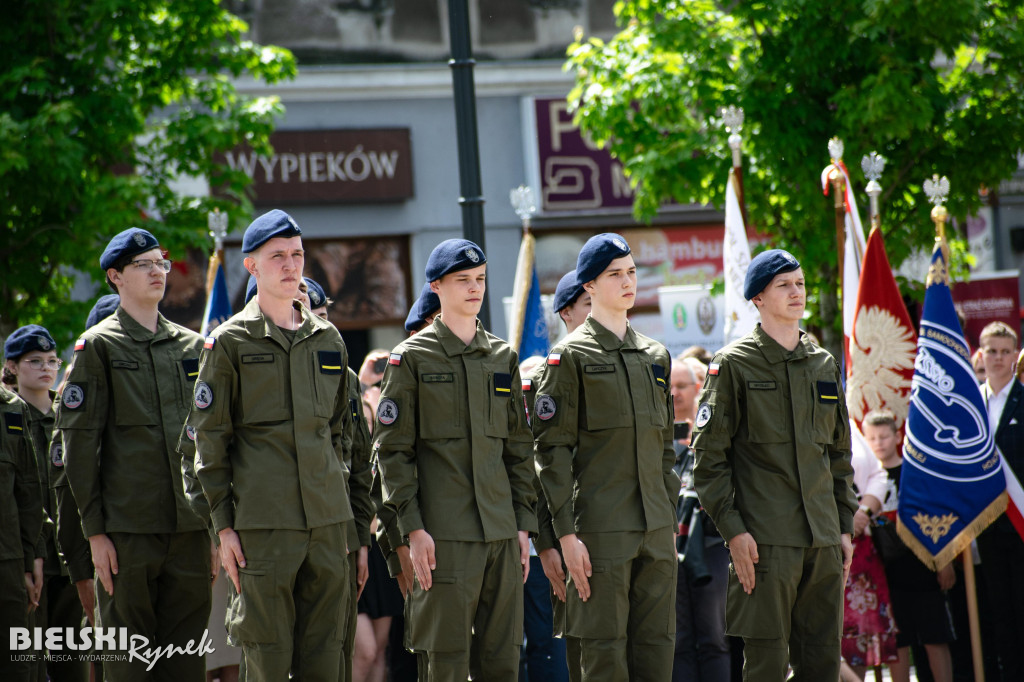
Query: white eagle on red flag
{"points": [[883, 343]]}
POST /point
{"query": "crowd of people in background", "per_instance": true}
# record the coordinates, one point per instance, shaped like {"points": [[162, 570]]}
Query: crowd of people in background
{"points": [[449, 503]]}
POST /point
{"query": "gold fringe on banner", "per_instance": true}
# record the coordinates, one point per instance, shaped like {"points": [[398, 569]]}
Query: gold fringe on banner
{"points": [[958, 544]]}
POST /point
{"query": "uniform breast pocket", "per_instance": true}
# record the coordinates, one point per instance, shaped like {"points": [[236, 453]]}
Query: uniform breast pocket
{"points": [[327, 373], [658, 381], [132, 385], [767, 416], [603, 392], [499, 394], [826, 405], [438, 402], [263, 386]]}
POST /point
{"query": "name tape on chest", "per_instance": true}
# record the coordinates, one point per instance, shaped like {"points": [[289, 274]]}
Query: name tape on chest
{"points": [[204, 395], [124, 364], [598, 369], [761, 385], [14, 424], [545, 407], [73, 396], [387, 412], [704, 413], [438, 378]]}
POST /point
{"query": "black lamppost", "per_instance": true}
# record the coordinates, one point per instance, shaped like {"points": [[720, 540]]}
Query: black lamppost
{"points": [[471, 198]]}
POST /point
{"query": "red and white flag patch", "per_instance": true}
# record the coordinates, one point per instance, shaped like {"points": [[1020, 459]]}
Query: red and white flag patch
{"points": [[554, 358], [80, 344], [713, 369], [395, 359], [210, 342], [527, 384]]}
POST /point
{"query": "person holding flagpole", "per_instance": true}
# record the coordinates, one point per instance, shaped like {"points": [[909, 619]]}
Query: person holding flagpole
{"points": [[772, 440]]}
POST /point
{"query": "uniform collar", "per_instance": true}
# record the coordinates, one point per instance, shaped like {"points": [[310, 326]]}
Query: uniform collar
{"points": [[774, 352], [453, 345], [610, 342], [257, 324], [137, 332]]}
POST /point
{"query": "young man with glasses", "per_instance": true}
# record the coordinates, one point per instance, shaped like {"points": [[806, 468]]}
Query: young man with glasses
{"points": [[124, 401], [31, 367]]}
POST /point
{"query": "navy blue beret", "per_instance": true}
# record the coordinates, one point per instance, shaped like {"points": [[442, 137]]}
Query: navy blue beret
{"points": [[567, 291], [275, 223], [426, 305], [316, 293], [27, 339], [453, 255], [597, 254], [103, 309], [250, 288], [763, 268], [131, 242]]}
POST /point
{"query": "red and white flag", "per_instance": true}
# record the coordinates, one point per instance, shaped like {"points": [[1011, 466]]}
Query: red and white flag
{"points": [[883, 343], [853, 253]]}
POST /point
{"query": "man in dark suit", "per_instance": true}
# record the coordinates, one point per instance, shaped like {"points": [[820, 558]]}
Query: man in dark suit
{"points": [[1000, 546]]}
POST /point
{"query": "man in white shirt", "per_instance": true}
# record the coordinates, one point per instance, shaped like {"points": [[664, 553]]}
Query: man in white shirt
{"points": [[1001, 548]]}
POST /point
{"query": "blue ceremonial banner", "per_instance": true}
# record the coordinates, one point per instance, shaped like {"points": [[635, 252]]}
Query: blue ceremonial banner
{"points": [[952, 484], [218, 306], [535, 325]]}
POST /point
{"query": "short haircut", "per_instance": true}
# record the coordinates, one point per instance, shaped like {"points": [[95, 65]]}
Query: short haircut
{"points": [[997, 329], [881, 417], [120, 264], [699, 352]]}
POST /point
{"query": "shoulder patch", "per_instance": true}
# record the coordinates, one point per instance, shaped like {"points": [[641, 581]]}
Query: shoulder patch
{"points": [[387, 411], [204, 395], [80, 344], [554, 358], [13, 423], [713, 369], [190, 431], [73, 396], [704, 413], [544, 407], [527, 385], [209, 343], [395, 359]]}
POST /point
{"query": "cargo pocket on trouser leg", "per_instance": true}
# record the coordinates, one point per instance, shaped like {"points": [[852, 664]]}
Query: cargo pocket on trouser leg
{"points": [[759, 615], [606, 613], [438, 619], [253, 614]]}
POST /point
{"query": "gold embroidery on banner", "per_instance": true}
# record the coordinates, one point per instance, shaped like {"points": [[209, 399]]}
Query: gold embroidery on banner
{"points": [[935, 526]]}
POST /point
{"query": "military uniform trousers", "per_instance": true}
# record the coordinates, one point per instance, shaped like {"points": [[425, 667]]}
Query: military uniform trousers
{"points": [[292, 612], [627, 627], [162, 592], [572, 644], [14, 614], [474, 605], [794, 615], [60, 607], [345, 673]]}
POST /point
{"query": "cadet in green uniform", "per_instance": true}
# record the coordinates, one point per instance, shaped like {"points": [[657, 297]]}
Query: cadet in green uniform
{"points": [[773, 470], [268, 417], [124, 400], [21, 518], [72, 544], [572, 304], [454, 453], [602, 421], [31, 355]]}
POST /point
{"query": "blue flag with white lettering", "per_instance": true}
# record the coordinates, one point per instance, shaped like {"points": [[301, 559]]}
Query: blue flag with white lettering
{"points": [[218, 306], [951, 483]]}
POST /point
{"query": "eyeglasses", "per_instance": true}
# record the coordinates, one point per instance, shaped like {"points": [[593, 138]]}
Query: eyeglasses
{"points": [[39, 363], [147, 265]]}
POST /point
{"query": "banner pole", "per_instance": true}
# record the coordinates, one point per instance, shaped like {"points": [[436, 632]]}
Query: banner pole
{"points": [[970, 587]]}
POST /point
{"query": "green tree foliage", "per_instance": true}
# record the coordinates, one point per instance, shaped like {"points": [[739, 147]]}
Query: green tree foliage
{"points": [[102, 104], [932, 85]]}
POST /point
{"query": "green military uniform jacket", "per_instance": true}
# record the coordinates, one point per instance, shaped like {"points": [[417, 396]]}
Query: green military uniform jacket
{"points": [[21, 503], [451, 438], [772, 439], [357, 459], [72, 545], [602, 421], [40, 428], [268, 416], [546, 538], [125, 397]]}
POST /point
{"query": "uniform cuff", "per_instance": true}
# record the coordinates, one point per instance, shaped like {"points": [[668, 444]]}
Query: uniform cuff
{"points": [[408, 523], [81, 568], [546, 538], [223, 517], [564, 524], [731, 526], [526, 520], [394, 565], [93, 525]]}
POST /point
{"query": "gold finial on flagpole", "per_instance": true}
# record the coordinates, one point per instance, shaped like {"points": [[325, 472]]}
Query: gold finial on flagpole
{"points": [[873, 165], [937, 189]]}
